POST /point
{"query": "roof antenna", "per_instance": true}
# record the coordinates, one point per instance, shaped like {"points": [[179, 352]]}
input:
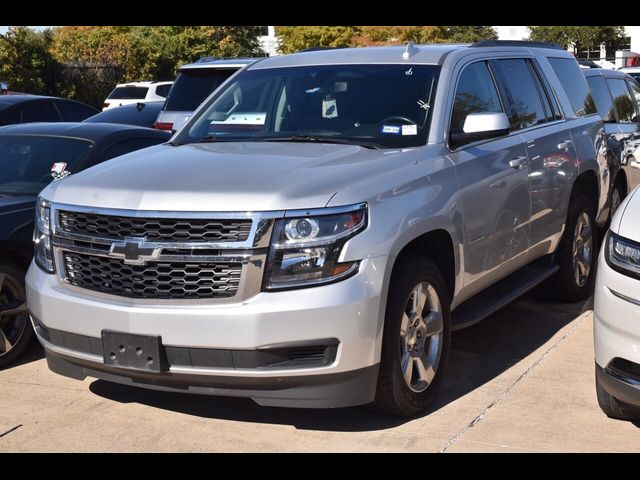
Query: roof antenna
{"points": [[410, 51]]}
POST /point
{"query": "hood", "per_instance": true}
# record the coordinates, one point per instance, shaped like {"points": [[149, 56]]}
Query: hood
{"points": [[226, 176], [626, 221], [15, 204]]}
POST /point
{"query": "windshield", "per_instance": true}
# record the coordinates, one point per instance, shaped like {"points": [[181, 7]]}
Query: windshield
{"points": [[193, 86], [373, 105], [26, 161]]}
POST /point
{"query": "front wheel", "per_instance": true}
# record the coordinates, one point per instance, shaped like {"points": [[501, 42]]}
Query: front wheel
{"points": [[15, 330], [416, 340], [576, 254]]}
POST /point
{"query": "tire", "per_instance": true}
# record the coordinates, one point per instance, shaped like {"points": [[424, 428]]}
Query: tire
{"points": [[427, 342], [614, 408], [564, 285], [617, 196], [15, 329]]}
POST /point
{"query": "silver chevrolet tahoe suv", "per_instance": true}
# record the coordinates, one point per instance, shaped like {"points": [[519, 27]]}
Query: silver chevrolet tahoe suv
{"points": [[326, 219]]}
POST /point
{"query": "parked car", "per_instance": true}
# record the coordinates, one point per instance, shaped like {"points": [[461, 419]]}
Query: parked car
{"points": [[143, 114], [617, 99], [616, 320], [633, 71], [134, 92], [31, 156], [193, 85], [313, 235], [37, 108]]}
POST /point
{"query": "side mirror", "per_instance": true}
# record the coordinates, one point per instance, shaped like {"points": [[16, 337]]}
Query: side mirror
{"points": [[480, 126]]}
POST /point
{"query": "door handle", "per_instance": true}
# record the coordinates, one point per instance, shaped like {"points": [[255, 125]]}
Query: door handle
{"points": [[564, 146], [518, 162]]}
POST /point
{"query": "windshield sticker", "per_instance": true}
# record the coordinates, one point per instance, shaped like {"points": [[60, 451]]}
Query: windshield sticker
{"points": [[313, 90], [409, 129], [392, 129], [329, 108], [409, 72], [59, 170], [422, 104]]}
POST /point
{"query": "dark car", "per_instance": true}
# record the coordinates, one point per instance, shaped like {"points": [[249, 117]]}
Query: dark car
{"points": [[37, 108], [30, 157], [617, 99], [143, 114]]}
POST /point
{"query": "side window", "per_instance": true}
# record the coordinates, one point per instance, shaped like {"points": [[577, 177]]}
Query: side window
{"points": [[163, 90], [624, 103], [525, 104], [476, 92], [74, 112], [125, 146], [602, 98], [635, 89], [11, 116], [575, 86], [40, 112]]}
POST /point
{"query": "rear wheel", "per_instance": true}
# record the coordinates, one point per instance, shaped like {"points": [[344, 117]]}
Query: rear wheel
{"points": [[576, 254], [416, 338], [614, 408], [15, 330]]}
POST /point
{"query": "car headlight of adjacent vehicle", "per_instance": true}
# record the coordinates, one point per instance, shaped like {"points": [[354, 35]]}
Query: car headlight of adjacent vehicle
{"points": [[305, 249], [42, 237], [623, 255]]}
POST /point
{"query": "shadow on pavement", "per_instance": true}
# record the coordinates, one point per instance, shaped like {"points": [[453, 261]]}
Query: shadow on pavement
{"points": [[480, 353], [34, 352]]}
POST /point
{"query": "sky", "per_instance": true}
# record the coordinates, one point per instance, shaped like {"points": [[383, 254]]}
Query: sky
{"points": [[3, 29]]}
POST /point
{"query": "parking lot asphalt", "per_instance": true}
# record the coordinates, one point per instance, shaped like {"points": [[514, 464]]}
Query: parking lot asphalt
{"points": [[521, 381]]}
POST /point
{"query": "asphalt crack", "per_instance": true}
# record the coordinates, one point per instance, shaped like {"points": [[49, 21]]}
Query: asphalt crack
{"points": [[481, 415], [10, 430]]}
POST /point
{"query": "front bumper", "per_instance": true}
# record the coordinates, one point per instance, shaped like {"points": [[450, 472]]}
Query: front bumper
{"points": [[616, 315], [350, 311]]}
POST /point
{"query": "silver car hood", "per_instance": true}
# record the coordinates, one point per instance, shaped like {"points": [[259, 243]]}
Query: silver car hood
{"points": [[227, 176]]}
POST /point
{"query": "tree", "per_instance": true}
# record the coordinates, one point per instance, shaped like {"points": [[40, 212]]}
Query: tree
{"points": [[299, 38], [25, 62], [468, 34], [582, 38]]}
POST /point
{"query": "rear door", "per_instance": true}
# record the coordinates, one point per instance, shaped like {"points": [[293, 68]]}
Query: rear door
{"points": [[631, 132]]}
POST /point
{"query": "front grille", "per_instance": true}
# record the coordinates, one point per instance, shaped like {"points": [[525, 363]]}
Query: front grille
{"points": [[155, 229], [173, 280]]}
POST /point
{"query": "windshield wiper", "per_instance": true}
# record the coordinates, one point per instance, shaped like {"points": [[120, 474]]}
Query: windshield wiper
{"points": [[319, 139]]}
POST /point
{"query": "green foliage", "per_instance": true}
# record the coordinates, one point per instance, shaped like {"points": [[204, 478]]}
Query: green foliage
{"points": [[298, 38], [585, 37], [25, 62]]}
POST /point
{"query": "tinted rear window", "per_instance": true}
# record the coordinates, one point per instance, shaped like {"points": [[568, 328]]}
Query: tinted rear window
{"points": [[601, 96], [74, 112], [574, 84], [129, 115], [622, 99], [193, 86], [128, 93]]}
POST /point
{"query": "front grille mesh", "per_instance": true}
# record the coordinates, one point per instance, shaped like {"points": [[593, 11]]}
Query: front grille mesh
{"points": [[156, 280], [155, 229]]}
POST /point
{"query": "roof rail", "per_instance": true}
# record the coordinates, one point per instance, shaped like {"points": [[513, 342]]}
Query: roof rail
{"points": [[316, 49], [515, 43]]}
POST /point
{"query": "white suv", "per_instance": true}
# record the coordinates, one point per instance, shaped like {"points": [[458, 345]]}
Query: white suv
{"points": [[633, 71], [133, 92]]}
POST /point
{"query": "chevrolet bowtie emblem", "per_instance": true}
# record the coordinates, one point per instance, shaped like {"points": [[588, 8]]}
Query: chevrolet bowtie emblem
{"points": [[133, 251]]}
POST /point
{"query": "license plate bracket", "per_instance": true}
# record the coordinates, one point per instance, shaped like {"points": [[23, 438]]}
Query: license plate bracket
{"points": [[135, 352]]}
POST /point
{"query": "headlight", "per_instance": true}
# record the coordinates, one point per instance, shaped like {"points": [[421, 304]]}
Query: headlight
{"points": [[623, 255], [305, 249], [42, 237]]}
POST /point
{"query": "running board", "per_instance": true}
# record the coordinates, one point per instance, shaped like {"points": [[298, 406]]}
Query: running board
{"points": [[501, 293]]}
